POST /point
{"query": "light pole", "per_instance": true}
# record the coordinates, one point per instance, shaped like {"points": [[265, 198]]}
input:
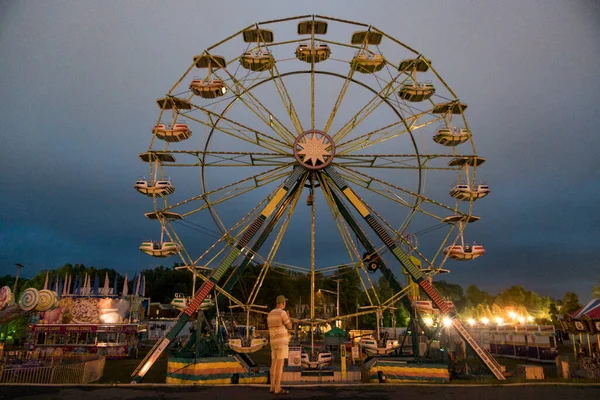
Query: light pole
{"points": [[338, 297], [19, 266]]}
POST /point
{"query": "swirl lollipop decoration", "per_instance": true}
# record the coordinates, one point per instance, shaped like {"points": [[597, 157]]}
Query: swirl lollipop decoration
{"points": [[29, 299], [5, 297], [47, 300]]}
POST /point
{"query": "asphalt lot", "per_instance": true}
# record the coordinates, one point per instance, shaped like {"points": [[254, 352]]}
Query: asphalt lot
{"points": [[471, 392]]}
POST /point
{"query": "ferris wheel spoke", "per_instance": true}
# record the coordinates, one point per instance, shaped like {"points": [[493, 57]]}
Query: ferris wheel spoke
{"points": [[232, 234], [226, 159], [312, 77], [391, 131], [275, 247], [394, 192], [232, 190], [361, 235], [399, 161], [286, 100], [282, 89], [290, 193], [186, 258], [239, 131], [399, 234], [262, 42], [243, 94], [344, 88], [353, 122], [353, 252]]}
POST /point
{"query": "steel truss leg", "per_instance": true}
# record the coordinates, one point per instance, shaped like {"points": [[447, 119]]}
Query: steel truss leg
{"points": [[235, 274], [287, 190], [416, 274], [385, 270]]}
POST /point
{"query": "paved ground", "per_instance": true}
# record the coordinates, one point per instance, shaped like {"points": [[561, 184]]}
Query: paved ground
{"points": [[471, 392]]}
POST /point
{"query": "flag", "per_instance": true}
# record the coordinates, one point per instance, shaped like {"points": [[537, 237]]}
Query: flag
{"points": [[46, 282], [137, 285], [115, 291], [143, 290], [96, 284], [105, 288], [125, 288]]}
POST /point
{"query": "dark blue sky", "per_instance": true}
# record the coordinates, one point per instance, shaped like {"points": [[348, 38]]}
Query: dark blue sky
{"points": [[79, 79]]}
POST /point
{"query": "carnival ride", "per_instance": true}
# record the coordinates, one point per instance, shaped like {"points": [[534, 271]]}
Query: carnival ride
{"points": [[250, 133]]}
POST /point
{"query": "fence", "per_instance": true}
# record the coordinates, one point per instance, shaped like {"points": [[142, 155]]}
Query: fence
{"points": [[586, 367], [46, 358], [71, 371]]}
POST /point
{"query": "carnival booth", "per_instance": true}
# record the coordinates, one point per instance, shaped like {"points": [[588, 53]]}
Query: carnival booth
{"points": [[88, 318], [584, 327]]}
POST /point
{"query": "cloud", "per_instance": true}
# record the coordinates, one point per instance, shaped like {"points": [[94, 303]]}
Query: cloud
{"points": [[82, 78]]}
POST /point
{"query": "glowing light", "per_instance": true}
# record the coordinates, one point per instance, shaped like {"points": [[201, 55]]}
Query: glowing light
{"points": [[428, 321], [530, 318], [499, 320], [447, 322], [110, 318], [485, 321], [522, 320], [512, 315], [471, 321]]}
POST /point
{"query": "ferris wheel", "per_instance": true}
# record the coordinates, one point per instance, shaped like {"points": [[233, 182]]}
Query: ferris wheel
{"points": [[338, 113]]}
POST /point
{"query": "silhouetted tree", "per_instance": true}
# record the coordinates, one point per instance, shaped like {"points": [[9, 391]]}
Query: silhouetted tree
{"points": [[596, 290], [570, 303]]}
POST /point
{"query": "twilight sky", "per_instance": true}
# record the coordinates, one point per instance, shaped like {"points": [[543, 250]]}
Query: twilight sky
{"points": [[79, 80]]}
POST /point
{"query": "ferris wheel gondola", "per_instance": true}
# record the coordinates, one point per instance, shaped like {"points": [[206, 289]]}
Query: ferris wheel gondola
{"points": [[161, 248], [156, 188], [365, 61], [451, 136], [208, 88], [469, 193], [463, 251], [258, 59], [172, 132]]}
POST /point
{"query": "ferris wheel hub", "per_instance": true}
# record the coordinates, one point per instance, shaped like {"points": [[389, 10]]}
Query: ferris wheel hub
{"points": [[314, 149]]}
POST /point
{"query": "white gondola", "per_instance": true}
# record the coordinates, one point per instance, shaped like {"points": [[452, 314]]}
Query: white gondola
{"points": [[172, 133], [240, 346], [464, 253], [324, 359], [320, 52], [417, 91], [451, 136], [466, 193], [159, 249], [208, 89], [181, 301], [257, 61], [158, 188], [367, 63], [371, 346]]}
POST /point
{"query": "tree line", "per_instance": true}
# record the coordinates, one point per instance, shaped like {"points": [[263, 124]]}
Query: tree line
{"points": [[163, 282]]}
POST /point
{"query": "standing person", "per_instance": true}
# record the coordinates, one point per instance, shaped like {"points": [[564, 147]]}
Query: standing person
{"points": [[279, 323]]}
